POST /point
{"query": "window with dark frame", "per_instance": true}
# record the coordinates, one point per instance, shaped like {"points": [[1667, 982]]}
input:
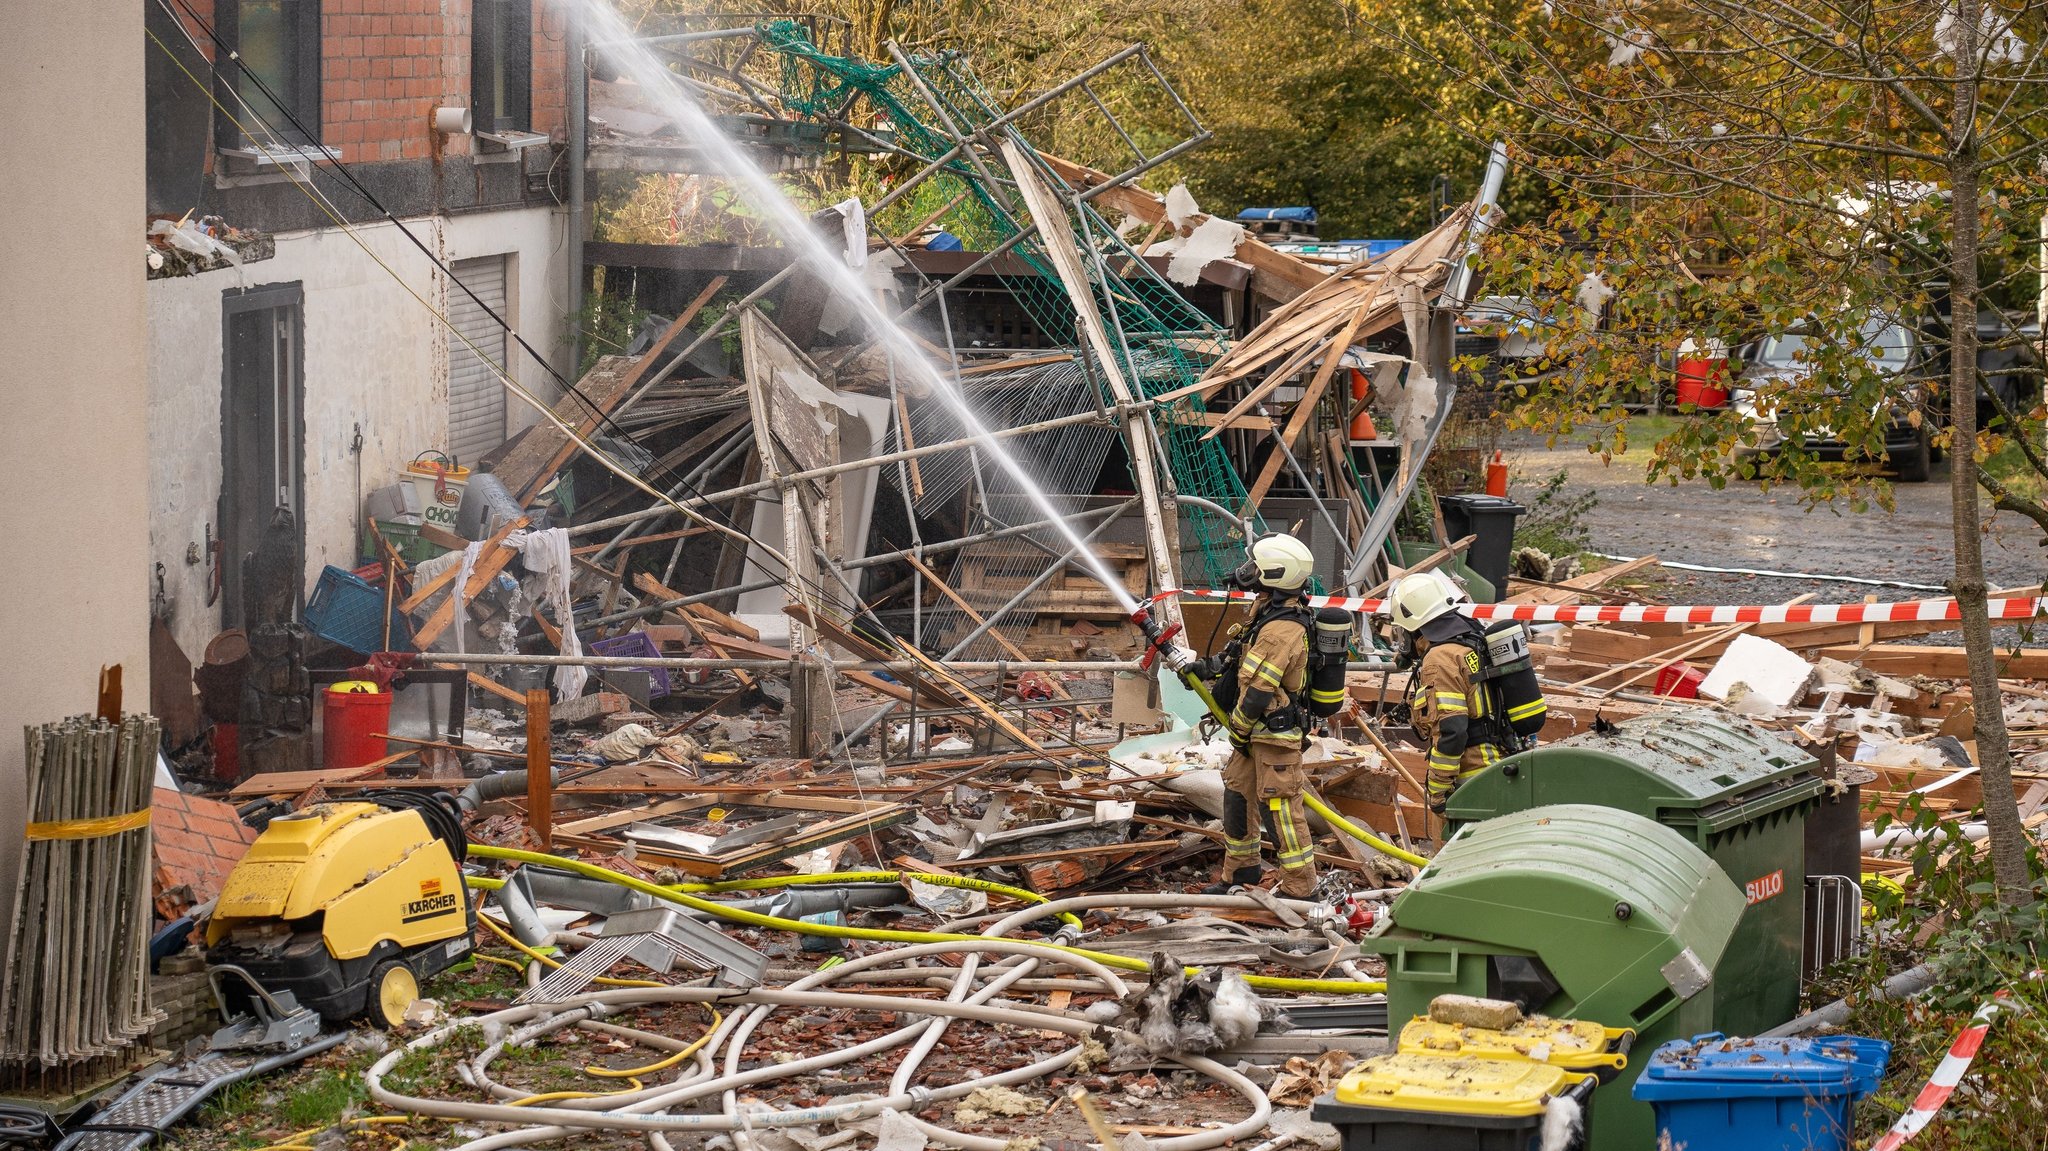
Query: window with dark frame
{"points": [[276, 42], [501, 65]]}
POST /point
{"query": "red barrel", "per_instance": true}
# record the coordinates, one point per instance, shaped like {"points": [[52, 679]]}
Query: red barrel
{"points": [[354, 716], [1703, 383]]}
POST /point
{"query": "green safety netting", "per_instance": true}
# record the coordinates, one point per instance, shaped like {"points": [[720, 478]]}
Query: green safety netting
{"points": [[1150, 322]]}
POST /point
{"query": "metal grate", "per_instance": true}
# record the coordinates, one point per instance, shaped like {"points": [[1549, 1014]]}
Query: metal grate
{"points": [[1834, 922]]}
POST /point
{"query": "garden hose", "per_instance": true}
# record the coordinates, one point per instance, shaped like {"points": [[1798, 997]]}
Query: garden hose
{"points": [[665, 1064], [963, 882], [883, 935], [1316, 804], [1194, 683]]}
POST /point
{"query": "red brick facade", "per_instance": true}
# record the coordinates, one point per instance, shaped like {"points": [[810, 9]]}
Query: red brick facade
{"points": [[387, 64]]}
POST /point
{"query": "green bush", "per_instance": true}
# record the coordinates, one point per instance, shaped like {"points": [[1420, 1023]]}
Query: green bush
{"points": [[1949, 916]]}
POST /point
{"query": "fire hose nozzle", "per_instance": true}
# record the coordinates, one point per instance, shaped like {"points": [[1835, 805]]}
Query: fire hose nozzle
{"points": [[1159, 643]]}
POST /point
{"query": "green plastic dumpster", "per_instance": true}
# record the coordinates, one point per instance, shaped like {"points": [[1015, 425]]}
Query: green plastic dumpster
{"points": [[1576, 912], [1735, 791]]}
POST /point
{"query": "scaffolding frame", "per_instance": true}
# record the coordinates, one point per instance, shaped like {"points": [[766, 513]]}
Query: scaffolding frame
{"points": [[1127, 328]]}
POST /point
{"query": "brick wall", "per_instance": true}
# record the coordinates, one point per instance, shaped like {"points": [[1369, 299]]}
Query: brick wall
{"points": [[189, 1011], [387, 64], [390, 63]]}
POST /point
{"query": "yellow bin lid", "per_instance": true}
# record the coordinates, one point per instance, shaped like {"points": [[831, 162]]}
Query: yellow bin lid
{"points": [[1506, 1088], [1577, 1044]]}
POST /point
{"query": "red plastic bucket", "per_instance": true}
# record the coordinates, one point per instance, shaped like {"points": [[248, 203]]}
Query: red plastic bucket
{"points": [[1680, 680], [353, 716], [1702, 382]]}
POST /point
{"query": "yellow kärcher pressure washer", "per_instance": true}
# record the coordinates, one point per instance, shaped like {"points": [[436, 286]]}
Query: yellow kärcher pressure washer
{"points": [[349, 906]]}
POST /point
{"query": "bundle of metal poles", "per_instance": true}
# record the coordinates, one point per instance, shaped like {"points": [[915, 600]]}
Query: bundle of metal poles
{"points": [[78, 988]]}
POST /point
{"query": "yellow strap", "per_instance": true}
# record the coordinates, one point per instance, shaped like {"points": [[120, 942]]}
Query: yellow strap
{"points": [[89, 828]]}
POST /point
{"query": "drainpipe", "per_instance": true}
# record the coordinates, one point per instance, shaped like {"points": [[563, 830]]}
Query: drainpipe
{"points": [[576, 96]]}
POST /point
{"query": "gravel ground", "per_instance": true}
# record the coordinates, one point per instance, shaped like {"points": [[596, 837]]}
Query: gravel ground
{"points": [[1743, 526]]}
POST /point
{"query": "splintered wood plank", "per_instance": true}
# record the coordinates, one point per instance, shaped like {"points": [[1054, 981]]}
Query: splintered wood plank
{"points": [[1940, 661], [293, 782], [525, 466], [609, 399], [1304, 410], [1567, 590], [1282, 276]]}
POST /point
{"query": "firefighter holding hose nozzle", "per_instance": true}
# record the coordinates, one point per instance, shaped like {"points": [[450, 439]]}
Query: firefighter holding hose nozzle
{"points": [[1473, 698], [1280, 673], [1276, 676]]}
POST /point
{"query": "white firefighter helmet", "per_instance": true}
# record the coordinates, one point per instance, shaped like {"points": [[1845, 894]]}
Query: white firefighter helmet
{"points": [[1278, 562], [1422, 597]]}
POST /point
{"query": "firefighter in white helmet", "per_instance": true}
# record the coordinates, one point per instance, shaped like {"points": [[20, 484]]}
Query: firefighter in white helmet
{"points": [[1455, 695], [1263, 688]]}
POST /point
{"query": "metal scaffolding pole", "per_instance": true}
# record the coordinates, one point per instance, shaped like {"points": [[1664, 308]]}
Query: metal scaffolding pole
{"points": [[781, 666], [1164, 546], [830, 470], [989, 621]]}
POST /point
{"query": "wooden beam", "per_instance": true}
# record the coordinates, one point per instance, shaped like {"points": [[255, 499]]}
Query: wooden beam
{"points": [[1940, 661], [1281, 276], [1223, 420], [490, 560], [540, 780], [1304, 410], [525, 464], [636, 541], [600, 406], [946, 590], [486, 683]]}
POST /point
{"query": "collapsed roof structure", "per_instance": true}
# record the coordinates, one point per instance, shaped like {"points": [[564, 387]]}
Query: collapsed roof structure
{"points": [[1132, 408]]}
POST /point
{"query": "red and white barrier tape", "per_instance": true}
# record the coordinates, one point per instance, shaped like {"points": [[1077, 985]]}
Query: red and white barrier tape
{"points": [[1942, 1083], [1924, 609]]}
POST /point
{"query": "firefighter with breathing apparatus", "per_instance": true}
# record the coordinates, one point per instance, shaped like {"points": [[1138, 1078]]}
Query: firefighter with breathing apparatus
{"points": [[1280, 672], [1474, 698]]}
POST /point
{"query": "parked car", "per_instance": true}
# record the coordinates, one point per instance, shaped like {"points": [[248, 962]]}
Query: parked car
{"points": [[2008, 362], [1508, 333], [1895, 348]]}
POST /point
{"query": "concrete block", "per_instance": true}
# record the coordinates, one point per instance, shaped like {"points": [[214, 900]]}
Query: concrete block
{"points": [[587, 708]]}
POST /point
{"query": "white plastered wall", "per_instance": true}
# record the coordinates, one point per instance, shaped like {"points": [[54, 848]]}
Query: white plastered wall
{"points": [[74, 595], [374, 356]]}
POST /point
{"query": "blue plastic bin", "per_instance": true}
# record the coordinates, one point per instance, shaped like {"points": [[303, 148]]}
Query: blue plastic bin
{"points": [[1712, 1093], [345, 609]]}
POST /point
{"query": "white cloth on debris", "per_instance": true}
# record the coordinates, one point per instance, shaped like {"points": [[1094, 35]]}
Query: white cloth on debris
{"points": [[455, 591], [546, 556], [854, 218]]}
